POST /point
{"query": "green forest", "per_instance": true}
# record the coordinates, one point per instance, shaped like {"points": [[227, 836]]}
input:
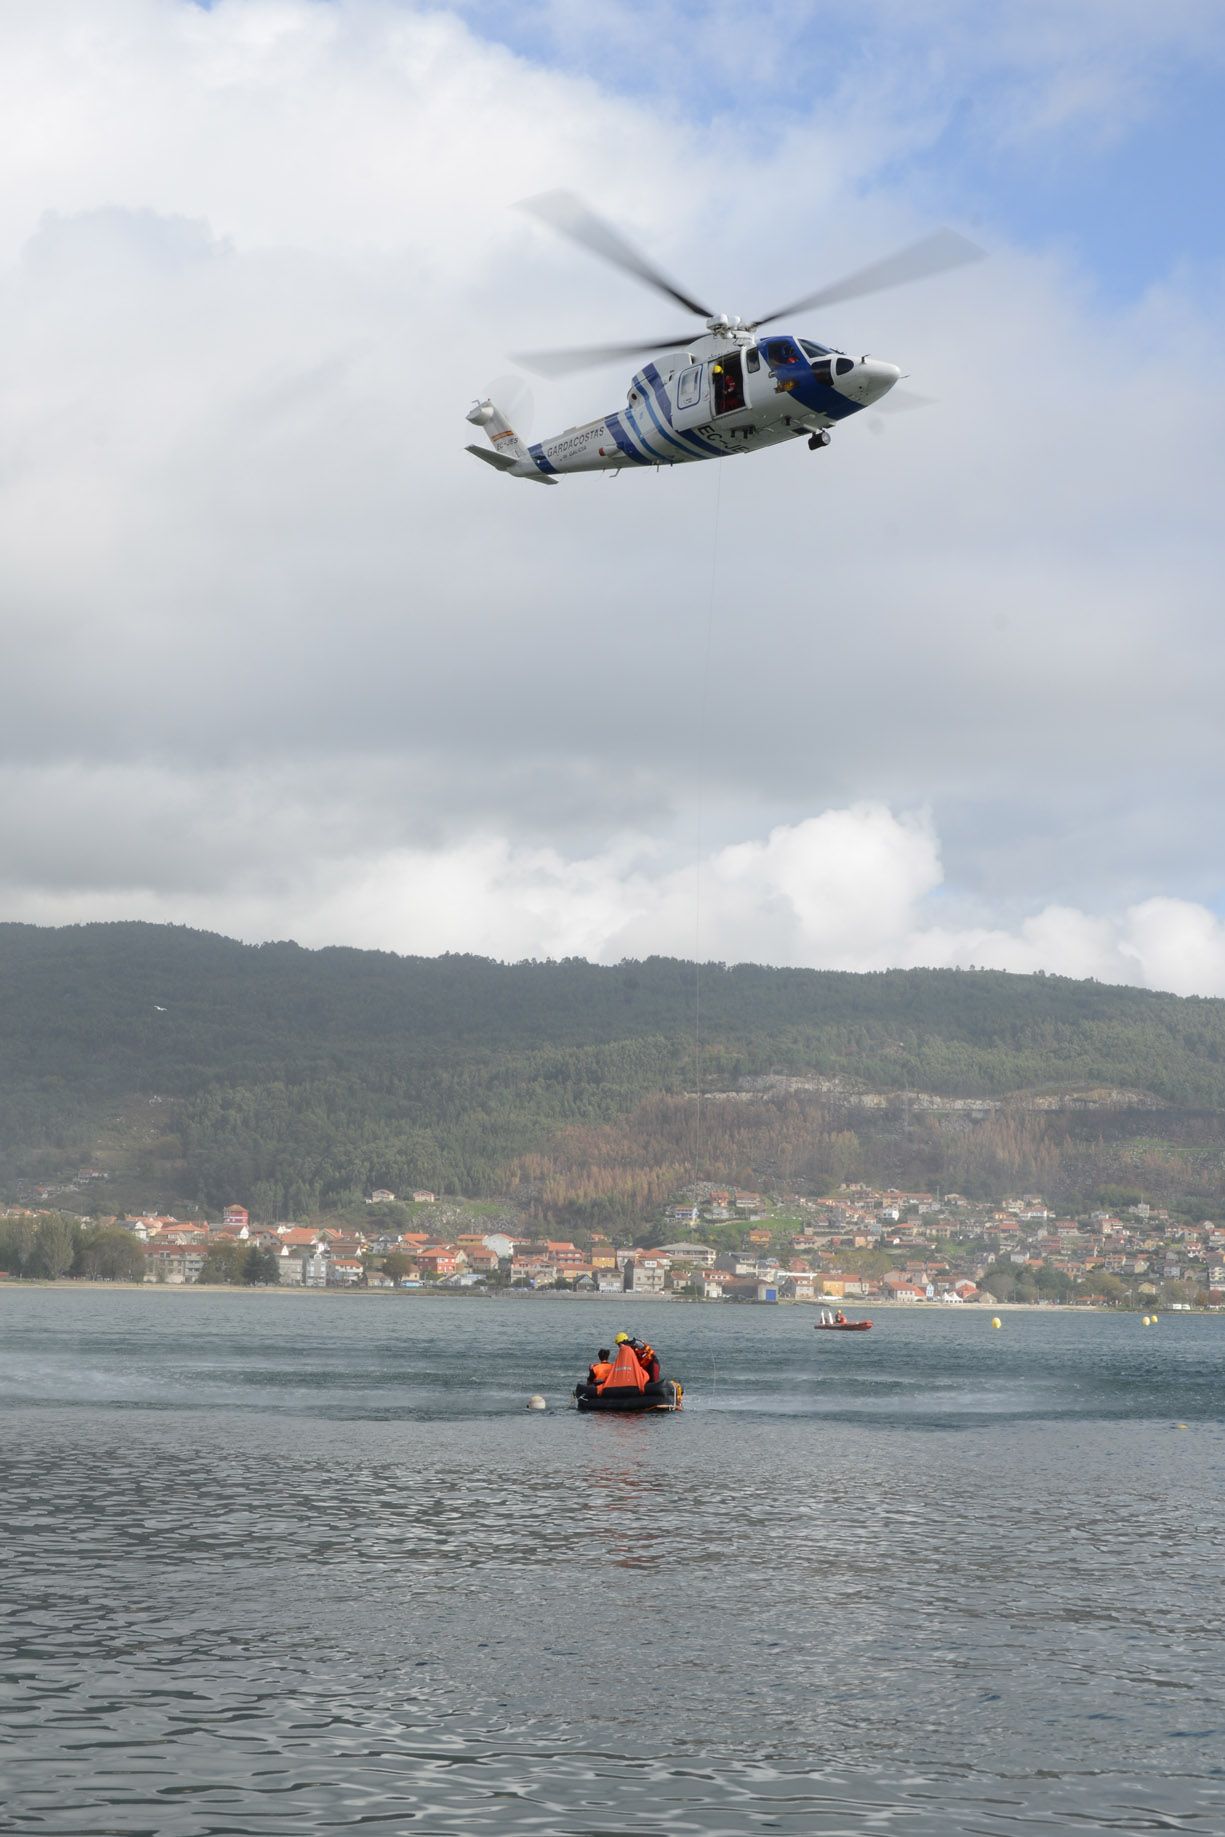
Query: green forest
{"points": [[194, 1070]]}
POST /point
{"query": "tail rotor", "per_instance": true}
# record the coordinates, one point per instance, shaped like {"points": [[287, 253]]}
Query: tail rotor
{"points": [[514, 398]]}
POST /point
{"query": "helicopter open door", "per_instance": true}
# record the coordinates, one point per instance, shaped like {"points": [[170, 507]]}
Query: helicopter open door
{"points": [[727, 382], [692, 397]]}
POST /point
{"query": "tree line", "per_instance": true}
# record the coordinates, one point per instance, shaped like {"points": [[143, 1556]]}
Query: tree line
{"points": [[50, 1245], [47, 1246]]}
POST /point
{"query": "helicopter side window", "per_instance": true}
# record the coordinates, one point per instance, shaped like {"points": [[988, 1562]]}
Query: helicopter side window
{"points": [[844, 366], [781, 351], [689, 387], [752, 358], [821, 370]]}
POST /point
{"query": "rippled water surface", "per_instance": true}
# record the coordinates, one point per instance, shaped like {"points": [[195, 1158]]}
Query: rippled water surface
{"points": [[287, 1564]]}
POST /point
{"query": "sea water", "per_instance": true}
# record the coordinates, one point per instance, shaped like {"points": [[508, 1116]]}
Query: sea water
{"points": [[281, 1564]]}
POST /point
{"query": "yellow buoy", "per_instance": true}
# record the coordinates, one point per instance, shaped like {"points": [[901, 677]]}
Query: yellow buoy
{"points": [[1180, 1425], [996, 1321], [1152, 1320], [1145, 1321]]}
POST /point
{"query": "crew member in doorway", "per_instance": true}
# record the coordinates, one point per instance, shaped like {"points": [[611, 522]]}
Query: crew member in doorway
{"points": [[728, 391]]}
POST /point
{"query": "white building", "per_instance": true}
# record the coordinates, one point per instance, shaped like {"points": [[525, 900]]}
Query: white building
{"points": [[646, 1275], [173, 1263], [696, 1256]]}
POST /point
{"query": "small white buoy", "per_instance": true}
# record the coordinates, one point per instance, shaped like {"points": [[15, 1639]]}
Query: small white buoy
{"points": [[537, 1403]]}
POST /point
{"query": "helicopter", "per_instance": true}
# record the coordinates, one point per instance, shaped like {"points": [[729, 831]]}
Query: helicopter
{"points": [[710, 392]]}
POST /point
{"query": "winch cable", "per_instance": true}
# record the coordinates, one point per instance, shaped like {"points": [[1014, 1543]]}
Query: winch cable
{"points": [[702, 701]]}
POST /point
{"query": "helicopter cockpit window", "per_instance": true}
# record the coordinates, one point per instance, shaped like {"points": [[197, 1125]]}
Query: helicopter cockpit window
{"points": [[812, 350], [689, 386], [844, 366], [752, 358], [780, 351]]}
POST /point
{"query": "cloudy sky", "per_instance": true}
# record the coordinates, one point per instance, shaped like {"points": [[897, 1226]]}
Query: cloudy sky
{"points": [[281, 660]]}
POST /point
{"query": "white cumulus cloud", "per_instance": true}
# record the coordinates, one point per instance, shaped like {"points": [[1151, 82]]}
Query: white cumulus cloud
{"points": [[860, 888]]}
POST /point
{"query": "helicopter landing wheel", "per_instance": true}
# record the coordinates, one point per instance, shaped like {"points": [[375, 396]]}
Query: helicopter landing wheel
{"points": [[818, 440]]}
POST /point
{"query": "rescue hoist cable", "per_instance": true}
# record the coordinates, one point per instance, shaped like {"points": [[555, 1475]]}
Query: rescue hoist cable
{"points": [[702, 704]]}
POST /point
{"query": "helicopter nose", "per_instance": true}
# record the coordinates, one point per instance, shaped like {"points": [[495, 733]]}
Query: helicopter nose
{"points": [[874, 378]]}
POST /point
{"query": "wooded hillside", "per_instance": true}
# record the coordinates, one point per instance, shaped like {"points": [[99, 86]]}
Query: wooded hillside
{"points": [[197, 1070]]}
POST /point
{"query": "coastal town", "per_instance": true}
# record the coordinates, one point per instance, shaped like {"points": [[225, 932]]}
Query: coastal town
{"points": [[859, 1245]]}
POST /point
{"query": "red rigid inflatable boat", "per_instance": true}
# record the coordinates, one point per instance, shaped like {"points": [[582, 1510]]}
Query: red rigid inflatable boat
{"points": [[841, 1326]]}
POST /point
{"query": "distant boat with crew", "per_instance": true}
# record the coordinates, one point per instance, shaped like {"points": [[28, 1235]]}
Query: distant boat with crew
{"points": [[838, 1323]]}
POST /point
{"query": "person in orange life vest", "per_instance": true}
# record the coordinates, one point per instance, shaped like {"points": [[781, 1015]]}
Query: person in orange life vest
{"points": [[600, 1369], [648, 1358]]}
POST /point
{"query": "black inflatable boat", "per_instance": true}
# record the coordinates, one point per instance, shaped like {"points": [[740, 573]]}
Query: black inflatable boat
{"points": [[667, 1394]]}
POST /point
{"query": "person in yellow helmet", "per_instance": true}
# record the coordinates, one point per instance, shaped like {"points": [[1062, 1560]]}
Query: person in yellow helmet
{"points": [[646, 1355]]}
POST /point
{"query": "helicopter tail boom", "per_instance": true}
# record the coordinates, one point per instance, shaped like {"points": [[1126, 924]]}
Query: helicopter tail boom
{"points": [[509, 453]]}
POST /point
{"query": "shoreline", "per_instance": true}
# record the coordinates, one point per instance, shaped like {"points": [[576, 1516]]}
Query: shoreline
{"points": [[80, 1285]]}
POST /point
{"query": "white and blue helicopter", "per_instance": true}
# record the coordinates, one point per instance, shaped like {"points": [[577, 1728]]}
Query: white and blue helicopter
{"points": [[706, 394]]}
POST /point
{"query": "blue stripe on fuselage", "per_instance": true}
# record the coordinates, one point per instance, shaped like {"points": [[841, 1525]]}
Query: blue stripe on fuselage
{"points": [[537, 454], [669, 436], [659, 450], [822, 398], [661, 396], [613, 424]]}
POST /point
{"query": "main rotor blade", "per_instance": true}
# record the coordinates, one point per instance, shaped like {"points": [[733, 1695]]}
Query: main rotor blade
{"points": [[588, 357], [933, 254], [563, 212]]}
